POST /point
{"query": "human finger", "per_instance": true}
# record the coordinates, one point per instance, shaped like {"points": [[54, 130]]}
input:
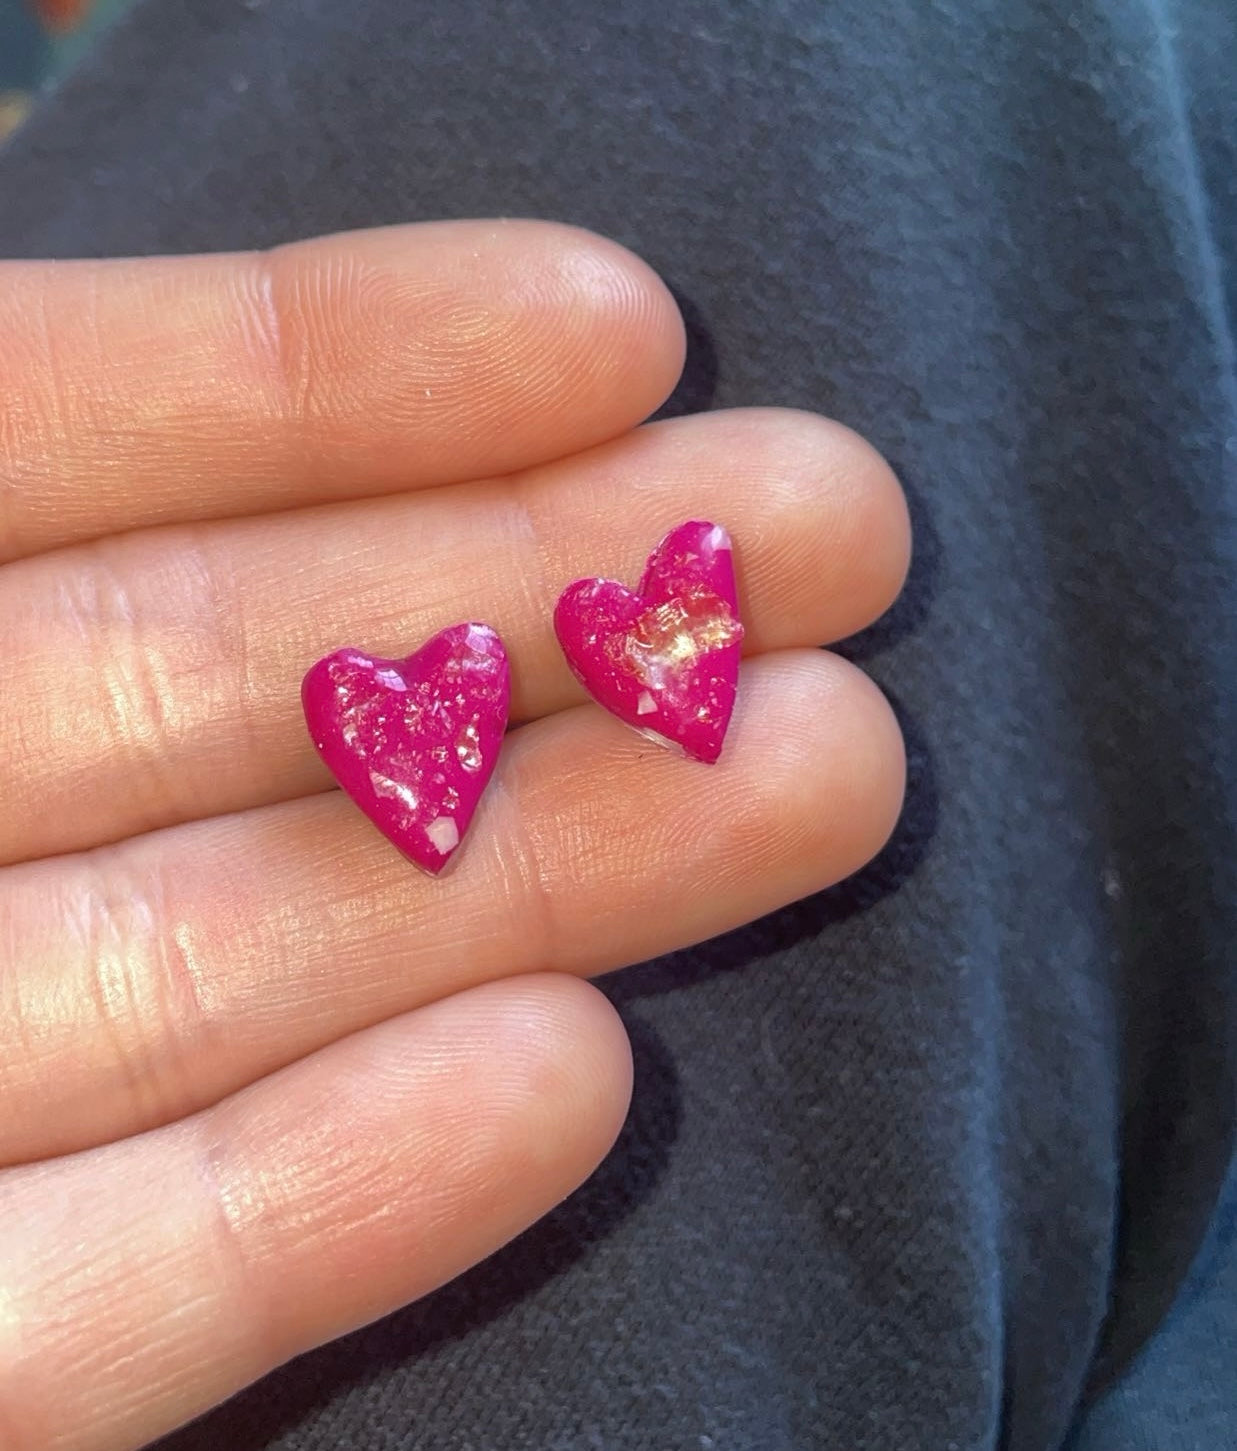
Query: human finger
{"points": [[143, 1282], [157, 680], [182, 388], [151, 978]]}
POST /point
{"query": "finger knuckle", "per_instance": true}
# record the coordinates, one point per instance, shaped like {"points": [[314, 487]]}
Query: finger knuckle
{"points": [[298, 301], [163, 645], [145, 998], [529, 887]]}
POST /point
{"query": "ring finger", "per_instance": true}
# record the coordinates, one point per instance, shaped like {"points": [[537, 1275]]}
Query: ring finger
{"points": [[155, 976]]}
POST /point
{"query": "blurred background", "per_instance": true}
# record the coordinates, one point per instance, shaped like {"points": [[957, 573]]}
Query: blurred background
{"points": [[39, 39]]}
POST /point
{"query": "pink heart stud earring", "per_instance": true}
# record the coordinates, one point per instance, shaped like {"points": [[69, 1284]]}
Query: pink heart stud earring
{"points": [[665, 657], [414, 741]]}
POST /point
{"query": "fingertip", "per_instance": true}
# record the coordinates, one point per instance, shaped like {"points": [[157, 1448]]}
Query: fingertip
{"points": [[826, 698], [811, 779], [601, 309], [455, 349], [570, 1056], [647, 337], [827, 548], [879, 539], [879, 760], [868, 542]]}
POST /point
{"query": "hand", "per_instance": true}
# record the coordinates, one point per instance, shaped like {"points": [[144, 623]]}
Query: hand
{"points": [[261, 1081]]}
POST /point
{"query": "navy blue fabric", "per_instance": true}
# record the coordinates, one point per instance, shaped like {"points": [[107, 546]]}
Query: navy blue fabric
{"points": [[925, 1161], [1180, 1390]]}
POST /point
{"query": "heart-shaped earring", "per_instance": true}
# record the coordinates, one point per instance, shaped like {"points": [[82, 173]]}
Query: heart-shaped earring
{"points": [[414, 741], [664, 658]]}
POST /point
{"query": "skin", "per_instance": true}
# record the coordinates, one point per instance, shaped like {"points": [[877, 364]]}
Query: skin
{"points": [[243, 1045]]}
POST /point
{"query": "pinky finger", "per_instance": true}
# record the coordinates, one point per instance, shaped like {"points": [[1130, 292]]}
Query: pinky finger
{"points": [[143, 1282]]}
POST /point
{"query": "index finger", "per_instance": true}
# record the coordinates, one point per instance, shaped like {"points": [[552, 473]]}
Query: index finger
{"points": [[176, 389]]}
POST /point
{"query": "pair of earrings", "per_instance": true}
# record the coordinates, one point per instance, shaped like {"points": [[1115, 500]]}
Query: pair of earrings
{"points": [[415, 741]]}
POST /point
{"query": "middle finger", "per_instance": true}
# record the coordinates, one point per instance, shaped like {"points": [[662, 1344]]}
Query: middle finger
{"points": [[154, 679]]}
